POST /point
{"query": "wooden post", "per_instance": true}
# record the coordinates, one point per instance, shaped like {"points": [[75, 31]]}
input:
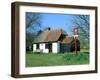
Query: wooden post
{"points": [[75, 39], [75, 45]]}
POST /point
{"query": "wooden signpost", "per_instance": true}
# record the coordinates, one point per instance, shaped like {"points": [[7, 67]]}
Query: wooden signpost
{"points": [[75, 38]]}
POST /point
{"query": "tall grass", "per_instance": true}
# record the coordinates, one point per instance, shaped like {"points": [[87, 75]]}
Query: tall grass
{"points": [[80, 58]]}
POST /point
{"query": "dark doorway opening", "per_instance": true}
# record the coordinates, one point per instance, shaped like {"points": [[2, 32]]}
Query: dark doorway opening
{"points": [[50, 47]]}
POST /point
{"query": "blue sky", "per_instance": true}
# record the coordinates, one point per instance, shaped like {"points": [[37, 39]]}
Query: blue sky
{"points": [[58, 21]]}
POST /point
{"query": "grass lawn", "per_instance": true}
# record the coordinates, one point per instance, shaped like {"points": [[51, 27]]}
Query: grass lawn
{"points": [[59, 59]]}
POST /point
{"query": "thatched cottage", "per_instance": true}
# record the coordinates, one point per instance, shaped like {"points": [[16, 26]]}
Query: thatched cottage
{"points": [[54, 41]]}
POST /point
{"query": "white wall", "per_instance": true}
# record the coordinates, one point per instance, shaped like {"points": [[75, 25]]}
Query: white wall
{"points": [[34, 47], [55, 47], [5, 41], [41, 47]]}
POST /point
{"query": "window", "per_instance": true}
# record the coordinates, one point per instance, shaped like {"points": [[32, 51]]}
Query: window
{"points": [[46, 45], [37, 46]]}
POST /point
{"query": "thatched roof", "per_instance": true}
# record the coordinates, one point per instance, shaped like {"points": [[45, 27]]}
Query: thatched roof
{"points": [[67, 39], [48, 36]]}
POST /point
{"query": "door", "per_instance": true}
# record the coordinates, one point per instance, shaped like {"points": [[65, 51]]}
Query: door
{"points": [[50, 47]]}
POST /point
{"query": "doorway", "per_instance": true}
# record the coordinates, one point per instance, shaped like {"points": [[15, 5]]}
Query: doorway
{"points": [[50, 47]]}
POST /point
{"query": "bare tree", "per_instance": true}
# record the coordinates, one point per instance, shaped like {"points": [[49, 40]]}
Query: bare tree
{"points": [[33, 24], [83, 23], [33, 19]]}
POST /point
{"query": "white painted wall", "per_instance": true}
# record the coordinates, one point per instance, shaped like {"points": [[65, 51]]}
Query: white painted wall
{"points": [[55, 47], [41, 47], [34, 47]]}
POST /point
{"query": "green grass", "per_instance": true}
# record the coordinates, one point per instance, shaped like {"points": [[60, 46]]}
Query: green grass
{"points": [[51, 59], [80, 58]]}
